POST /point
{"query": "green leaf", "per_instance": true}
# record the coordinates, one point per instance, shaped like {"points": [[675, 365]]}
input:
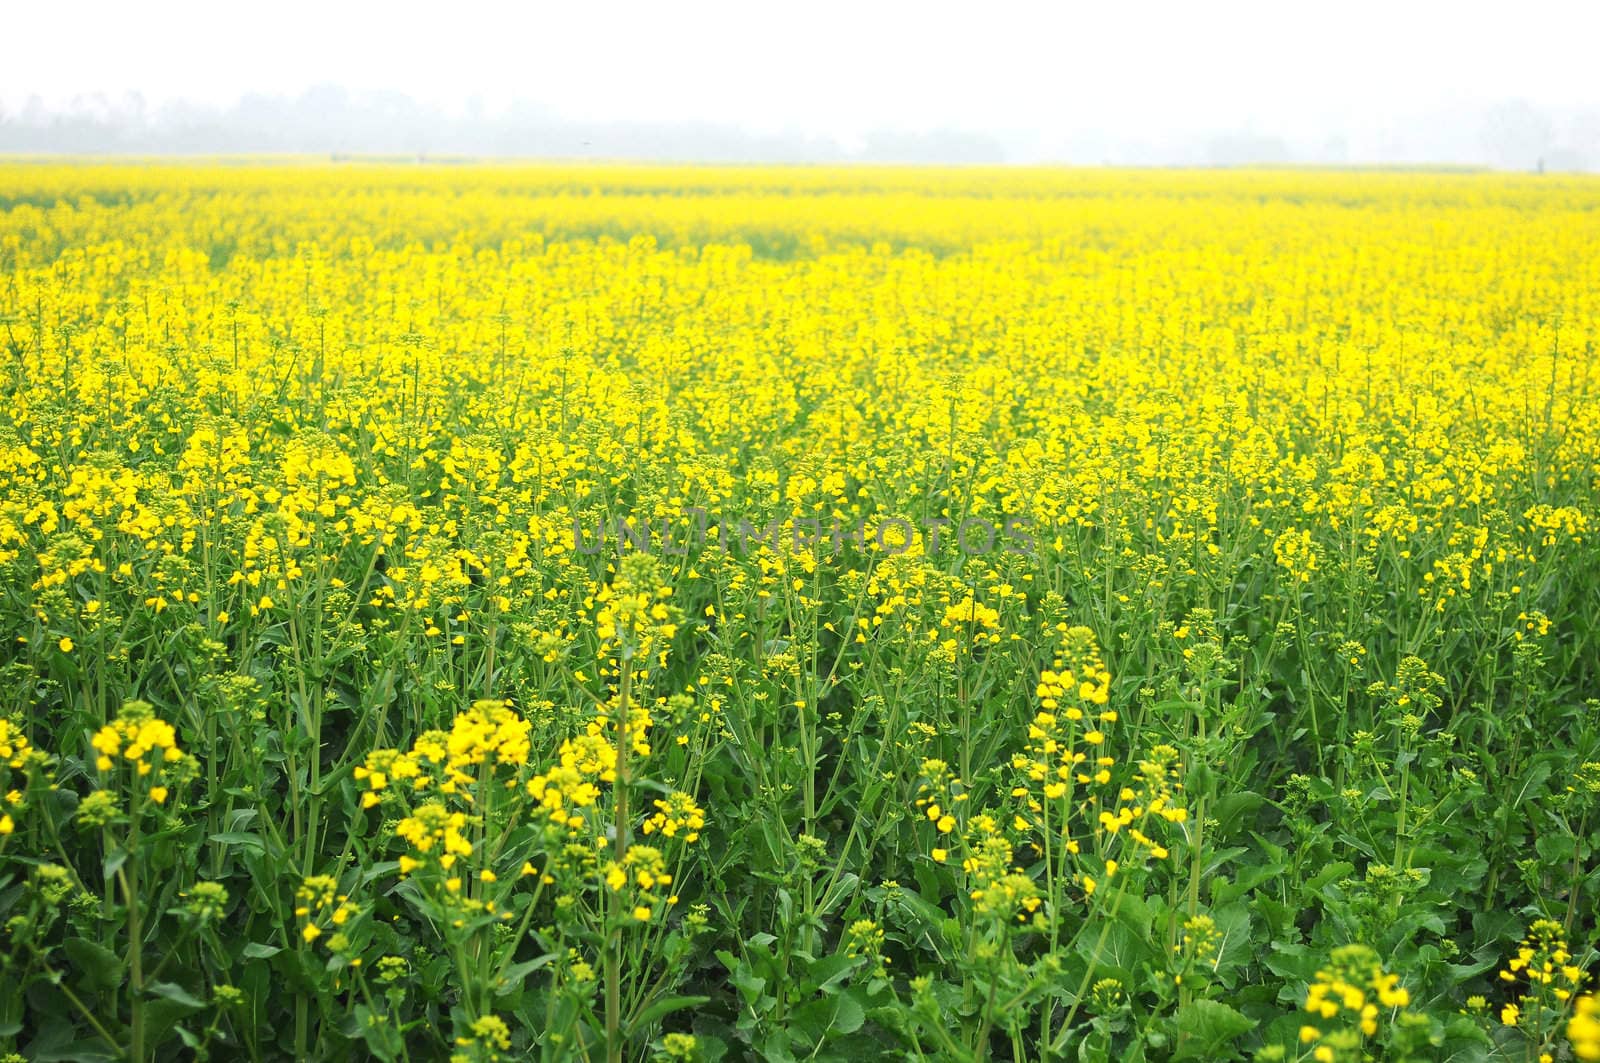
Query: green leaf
{"points": [[664, 1007], [1205, 1027], [849, 1016], [518, 973], [59, 1051], [1556, 848], [775, 1049], [824, 972], [1330, 873], [243, 839], [1294, 962], [175, 993], [101, 968]]}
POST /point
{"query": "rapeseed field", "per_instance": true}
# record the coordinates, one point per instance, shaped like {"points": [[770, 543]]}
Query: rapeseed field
{"points": [[475, 612]]}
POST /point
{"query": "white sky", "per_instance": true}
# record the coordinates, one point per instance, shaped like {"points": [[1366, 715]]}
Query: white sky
{"points": [[825, 66]]}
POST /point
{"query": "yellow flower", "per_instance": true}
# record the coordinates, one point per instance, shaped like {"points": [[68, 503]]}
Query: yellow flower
{"points": [[1583, 1029]]}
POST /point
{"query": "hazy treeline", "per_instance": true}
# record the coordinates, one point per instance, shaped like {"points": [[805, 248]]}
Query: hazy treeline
{"points": [[331, 120]]}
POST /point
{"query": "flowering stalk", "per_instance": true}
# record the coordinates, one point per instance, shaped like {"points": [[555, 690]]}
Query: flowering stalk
{"points": [[615, 901]]}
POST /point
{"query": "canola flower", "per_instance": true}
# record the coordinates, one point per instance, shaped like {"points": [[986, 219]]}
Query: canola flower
{"points": [[20, 763], [1583, 1029]]}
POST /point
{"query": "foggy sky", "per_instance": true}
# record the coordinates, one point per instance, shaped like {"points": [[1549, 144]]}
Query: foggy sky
{"points": [[1356, 81]]}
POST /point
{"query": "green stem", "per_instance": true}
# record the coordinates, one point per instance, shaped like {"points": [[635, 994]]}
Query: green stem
{"points": [[129, 883]]}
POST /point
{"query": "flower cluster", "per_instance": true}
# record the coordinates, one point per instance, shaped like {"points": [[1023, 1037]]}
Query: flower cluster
{"points": [[938, 792], [488, 736], [146, 745], [635, 615], [20, 762], [640, 877], [1549, 979], [322, 909], [1414, 692], [434, 832], [1544, 961], [1347, 1002], [970, 621], [1197, 949], [573, 783], [487, 1037], [1583, 1029], [674, 815]]}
